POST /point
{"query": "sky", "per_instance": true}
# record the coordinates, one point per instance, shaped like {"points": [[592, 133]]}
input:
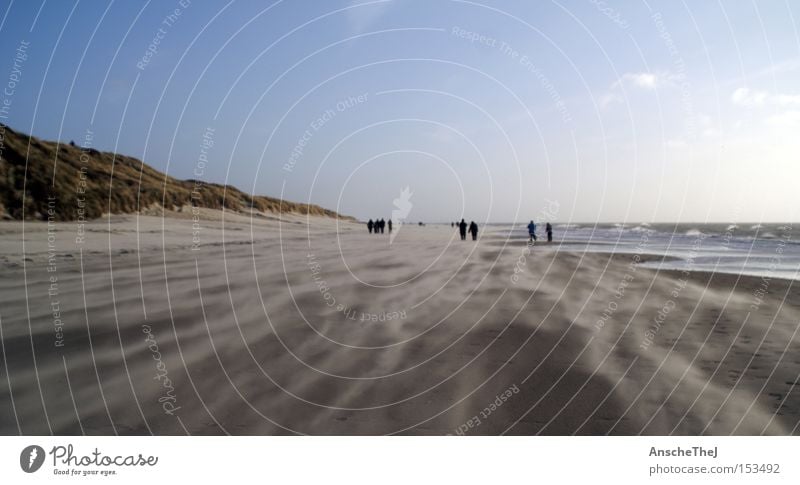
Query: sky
{"points": [[496, 111]]}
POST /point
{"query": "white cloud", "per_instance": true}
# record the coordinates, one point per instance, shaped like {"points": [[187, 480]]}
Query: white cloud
{"points": [[609, 98], [781, 67], [750, 98], [646, 80], [707, 126], [787, 99], [786, 119], [641, 80]]}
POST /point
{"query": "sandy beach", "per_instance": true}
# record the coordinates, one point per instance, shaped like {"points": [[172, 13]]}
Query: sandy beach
{"points": [[294, 324]]}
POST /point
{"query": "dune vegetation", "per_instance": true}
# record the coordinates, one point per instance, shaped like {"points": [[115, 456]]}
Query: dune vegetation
{"points": [[42, 179]]}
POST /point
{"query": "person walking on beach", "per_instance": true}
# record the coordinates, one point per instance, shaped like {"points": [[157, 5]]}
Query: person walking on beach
{"points": [[549, 230], [532, 231], [473, 229], [390, 226], [383, 225], [462, 229], [369, 226]]}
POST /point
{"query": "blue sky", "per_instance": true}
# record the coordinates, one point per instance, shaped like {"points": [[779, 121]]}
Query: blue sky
{"points": [[497, 111]]}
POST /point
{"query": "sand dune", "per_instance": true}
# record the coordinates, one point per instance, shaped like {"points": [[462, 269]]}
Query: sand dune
{"points": [[277, 326]]}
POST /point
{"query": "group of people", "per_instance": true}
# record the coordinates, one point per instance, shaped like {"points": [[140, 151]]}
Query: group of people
{"points": [[462, 229], [378, 226], [548, 228]]}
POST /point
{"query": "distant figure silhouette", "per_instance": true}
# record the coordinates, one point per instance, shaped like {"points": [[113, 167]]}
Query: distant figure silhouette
{"points": [[532, 231], [390, 226], [462, 229], [452, 224], [369, 226], [549, 230], [473, 229], [383, 224]]}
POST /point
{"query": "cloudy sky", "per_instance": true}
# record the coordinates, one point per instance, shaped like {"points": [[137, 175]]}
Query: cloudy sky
{"points": [[497, 111]]}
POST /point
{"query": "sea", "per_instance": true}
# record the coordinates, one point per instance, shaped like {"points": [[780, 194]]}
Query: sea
{"points": [[770, 250]]}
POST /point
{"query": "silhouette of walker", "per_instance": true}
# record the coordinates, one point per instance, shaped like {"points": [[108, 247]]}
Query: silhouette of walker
{"points": [[390, 226], [549, 230], [532, 231], [462, 229], [369, 226], [382, 225], [473, 229]]}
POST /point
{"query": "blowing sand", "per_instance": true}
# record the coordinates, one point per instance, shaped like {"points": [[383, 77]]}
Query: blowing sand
{"points": [[261, 326]]}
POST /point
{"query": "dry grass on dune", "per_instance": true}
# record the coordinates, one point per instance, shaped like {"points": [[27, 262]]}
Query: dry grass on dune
{"points": [[103, 182]]}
